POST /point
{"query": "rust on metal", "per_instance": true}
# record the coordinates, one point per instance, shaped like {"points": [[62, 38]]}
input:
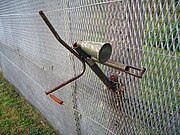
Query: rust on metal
{"points": [[85, 51], [67, 82], [123, 67], [67, 47], [56, 99], [139, 75], [95, 68]]}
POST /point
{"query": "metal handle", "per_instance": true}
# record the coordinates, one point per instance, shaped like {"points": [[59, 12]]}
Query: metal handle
{"points": [[56, 99]]}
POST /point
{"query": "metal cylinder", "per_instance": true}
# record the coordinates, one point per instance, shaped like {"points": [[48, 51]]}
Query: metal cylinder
{"points": [[98, 50]]}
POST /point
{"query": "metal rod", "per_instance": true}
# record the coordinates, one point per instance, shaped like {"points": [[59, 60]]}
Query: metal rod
{"points": [[121, 67], [67, 47], [67, 82], [57, 36]]}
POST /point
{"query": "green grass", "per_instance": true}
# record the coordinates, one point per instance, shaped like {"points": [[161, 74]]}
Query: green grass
{"points": [[162, 71], [160, 84], [17, 117]]}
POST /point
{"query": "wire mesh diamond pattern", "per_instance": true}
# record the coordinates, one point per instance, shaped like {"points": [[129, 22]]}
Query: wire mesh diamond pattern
{"points": [[143, 33]]}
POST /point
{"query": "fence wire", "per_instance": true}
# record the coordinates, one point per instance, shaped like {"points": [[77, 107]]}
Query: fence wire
{"points": [[143, 33]]}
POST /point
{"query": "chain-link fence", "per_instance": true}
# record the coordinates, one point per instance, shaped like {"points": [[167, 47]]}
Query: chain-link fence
{"points": [[143, 33]]}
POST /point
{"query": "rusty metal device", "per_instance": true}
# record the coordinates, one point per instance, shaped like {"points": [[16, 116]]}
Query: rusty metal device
{"points": [[91, 52]]}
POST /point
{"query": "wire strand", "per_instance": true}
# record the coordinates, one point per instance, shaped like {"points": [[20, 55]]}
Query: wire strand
{"points": [[44, 90], [62, 9]]}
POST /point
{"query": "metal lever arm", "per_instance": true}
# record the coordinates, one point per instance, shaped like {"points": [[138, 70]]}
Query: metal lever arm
{"points": [[57, 36], [67, 47]]}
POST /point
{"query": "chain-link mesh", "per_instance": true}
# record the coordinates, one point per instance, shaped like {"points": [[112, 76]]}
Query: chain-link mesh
{"points": [[143, 33]]}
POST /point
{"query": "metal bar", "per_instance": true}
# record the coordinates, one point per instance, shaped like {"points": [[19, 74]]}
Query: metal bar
{"points": [[67, 47], [101, 75], [123, 68], [111, 85], [57, 35], [67, 82]]}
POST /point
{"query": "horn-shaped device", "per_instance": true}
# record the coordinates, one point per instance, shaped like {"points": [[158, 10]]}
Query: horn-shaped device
{"points": [[89, 53]]}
